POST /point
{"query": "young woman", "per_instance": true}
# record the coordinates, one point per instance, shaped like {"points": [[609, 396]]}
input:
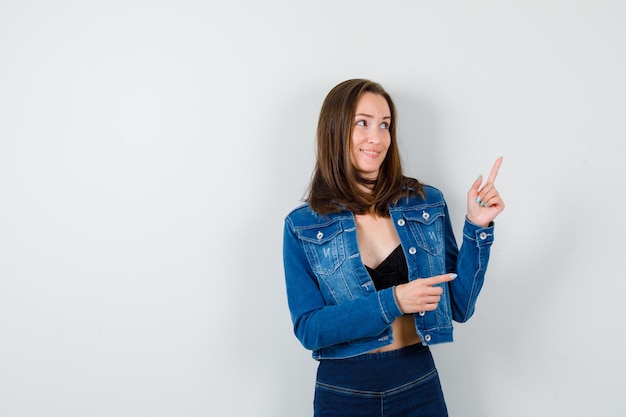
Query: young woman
{"points": [[373, 271]]}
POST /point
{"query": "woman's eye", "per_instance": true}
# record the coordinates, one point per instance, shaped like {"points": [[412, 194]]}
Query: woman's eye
{"points": [[384, 125], [361, 123]]}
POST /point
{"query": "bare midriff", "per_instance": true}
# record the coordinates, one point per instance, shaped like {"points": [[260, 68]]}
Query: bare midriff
{"points": [[403, 334]]}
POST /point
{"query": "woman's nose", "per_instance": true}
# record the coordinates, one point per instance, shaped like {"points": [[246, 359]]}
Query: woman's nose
{"points": [[374, 136]]}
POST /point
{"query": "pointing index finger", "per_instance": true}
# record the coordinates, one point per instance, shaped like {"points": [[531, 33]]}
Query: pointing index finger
{"points": [[438, 279], [494, 170]]}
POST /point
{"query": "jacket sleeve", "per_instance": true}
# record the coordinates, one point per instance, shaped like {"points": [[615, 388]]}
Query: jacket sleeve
{"points": [[319, 323], [470, 264]]}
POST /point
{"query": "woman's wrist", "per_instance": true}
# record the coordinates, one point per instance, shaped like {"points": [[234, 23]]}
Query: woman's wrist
{"points": [[476, 223]]}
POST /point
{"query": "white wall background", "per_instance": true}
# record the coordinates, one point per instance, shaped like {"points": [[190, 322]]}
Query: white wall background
{"points": [[149, 151]]}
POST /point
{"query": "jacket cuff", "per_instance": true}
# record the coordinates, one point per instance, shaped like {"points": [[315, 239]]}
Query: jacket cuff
{"points": [[483, 236], [388, 306]]}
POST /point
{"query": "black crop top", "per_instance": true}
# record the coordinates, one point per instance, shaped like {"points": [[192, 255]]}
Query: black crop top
{"points": [[391, 271]]}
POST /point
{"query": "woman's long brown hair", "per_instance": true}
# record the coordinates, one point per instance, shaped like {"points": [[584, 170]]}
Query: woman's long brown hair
{"points": [[335, 183]]}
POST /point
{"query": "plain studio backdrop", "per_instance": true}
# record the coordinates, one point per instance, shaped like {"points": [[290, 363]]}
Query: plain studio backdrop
{"points": [[149, 151]]}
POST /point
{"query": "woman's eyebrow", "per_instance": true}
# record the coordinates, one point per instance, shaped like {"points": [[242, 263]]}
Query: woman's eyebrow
{"points": [[369, 115]]}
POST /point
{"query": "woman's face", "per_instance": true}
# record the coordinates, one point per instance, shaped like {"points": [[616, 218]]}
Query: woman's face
{"points": [[370, 134]]}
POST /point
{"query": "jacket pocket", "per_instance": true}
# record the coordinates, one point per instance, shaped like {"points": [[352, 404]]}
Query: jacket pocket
{"points": [[426, 226], [323, 245]]}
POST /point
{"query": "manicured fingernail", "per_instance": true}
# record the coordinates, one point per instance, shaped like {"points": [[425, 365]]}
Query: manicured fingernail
{"points": [[478, 199], [478, 177], [453, 276]]}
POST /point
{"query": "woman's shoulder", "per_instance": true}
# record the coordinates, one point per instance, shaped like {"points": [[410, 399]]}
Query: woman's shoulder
{"points": [[431, 191], [427, 194], [416, 188], [304, 216], [300, 211]]}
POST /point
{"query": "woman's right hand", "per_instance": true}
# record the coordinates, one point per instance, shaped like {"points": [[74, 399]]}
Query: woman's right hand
{"points": [[421, 294]]}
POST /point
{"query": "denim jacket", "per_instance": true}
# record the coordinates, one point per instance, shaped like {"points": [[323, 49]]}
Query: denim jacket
{"points": [[335, 308]]}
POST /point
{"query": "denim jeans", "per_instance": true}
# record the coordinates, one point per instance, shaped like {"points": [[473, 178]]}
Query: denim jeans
{"points": [[398, 383]]}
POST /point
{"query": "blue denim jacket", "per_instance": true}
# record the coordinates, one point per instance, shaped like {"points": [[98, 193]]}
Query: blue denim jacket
{"points": [[335, 308]]}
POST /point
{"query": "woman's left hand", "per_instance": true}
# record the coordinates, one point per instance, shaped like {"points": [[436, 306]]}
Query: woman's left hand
{"points": [[484, 203]]}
